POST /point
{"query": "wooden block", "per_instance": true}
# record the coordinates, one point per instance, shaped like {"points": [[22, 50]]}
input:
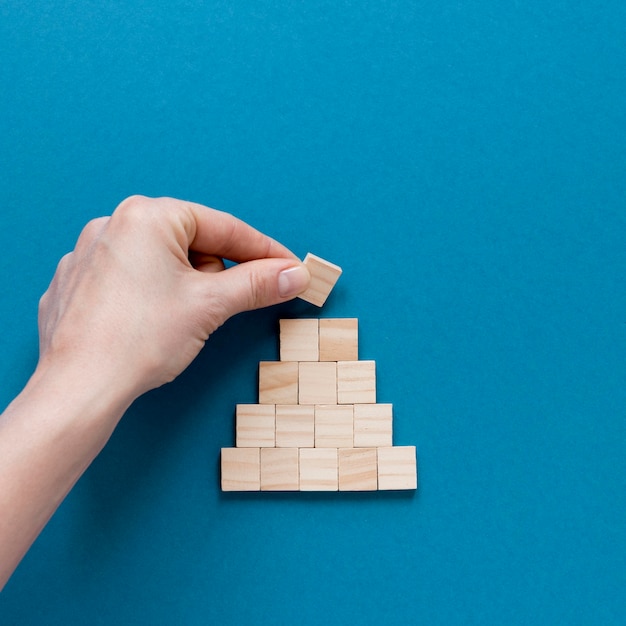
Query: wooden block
{"points": [[241, 469], [278, 382], [324, 275], [334, 426], [299, 340], [339, 339], [397, 468], [318, 469], [280, 469], [256, 425], [317, 383], [373, 425], [358, 469], [295, 426], [356, 382]]}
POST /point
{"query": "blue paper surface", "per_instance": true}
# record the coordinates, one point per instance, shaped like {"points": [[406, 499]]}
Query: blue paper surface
{"points": [[465, 163]]}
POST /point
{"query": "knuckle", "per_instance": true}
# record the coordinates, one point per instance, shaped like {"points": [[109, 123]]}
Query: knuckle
{"points": [[65, 259], [149, 212], [93, 228], [257, 293], [132, 203], [43, 302], [64, 263], [133, 208]]}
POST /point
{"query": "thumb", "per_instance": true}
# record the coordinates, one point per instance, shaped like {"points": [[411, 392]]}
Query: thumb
{"points": [[257, 284]]}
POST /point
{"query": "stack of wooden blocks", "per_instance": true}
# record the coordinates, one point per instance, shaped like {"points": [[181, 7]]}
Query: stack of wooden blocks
{"points": [[317, 426]]}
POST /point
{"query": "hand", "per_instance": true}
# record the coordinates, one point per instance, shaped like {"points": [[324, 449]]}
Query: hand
{"points": [[143, 290], [127, 311]]}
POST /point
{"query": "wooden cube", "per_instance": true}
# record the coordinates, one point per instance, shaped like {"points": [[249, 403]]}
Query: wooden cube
{"points": [[339, 339], [241, 469], [255, 425], [317, 383], [358, 469], [318, 469], [333, 426], [278, 382], [324, 275], [299, 340], [295, 426], [280, 469], [373, 425], [397, 468], [356, 382]]}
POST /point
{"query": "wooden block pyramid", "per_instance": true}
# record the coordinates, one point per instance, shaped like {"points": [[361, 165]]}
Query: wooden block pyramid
{"points": [[317, 426]]}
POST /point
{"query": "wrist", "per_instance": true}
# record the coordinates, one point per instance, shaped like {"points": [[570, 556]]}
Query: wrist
{"points": [[49, 435], [77, 397]]}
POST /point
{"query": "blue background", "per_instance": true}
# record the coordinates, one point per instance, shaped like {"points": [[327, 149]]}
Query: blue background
{"points": [[465, 162]]}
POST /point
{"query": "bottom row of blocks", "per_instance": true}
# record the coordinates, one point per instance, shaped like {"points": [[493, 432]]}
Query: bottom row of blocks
{"points": [[319, 469]]}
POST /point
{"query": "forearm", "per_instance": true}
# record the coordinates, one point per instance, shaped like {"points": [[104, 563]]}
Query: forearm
{"points": [[48, 437]]}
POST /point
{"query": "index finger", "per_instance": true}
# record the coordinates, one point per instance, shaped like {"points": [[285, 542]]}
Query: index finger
{"points": [[222, 234]]}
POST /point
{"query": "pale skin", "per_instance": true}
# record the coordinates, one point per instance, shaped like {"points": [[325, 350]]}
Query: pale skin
{"points": [[127, 311]]}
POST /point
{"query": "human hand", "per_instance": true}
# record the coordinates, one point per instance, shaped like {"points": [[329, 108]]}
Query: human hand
{"points": [[136, 300], [126, 311]]}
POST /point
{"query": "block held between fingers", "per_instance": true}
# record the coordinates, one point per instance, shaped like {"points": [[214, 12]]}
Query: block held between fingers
{"points": [[324, 275]]}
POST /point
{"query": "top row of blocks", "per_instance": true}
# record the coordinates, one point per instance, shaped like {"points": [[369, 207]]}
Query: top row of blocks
{"points": [[319, 339]]}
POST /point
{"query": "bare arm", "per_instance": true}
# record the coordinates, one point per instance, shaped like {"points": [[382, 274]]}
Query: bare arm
{"points": [[126, 312]]}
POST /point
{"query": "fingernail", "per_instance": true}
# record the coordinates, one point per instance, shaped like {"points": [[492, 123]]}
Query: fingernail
{"points": [[293, 281]]}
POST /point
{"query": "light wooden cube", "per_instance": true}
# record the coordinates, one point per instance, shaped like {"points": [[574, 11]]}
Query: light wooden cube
{"points": [[339, 339], [324, 275], [278, 382], [280, 469], [255, 425], [373, 425], [317, 383], [334, 426], [397, 468], [241, 469], [358, 469], [299, 340], [295, 426], [356, 382], [318, 469]]}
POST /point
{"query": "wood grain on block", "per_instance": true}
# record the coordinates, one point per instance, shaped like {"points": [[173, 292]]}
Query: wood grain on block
{"points": [[373, 425], [358, 469], [324, 275], [339, 339], [318, 469], [280, 469], [241, 469], [295, 426], [255, 425], [356, 382], [278, 382], [299, 340], [317, 383], [333, 426], [397, 468]]}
